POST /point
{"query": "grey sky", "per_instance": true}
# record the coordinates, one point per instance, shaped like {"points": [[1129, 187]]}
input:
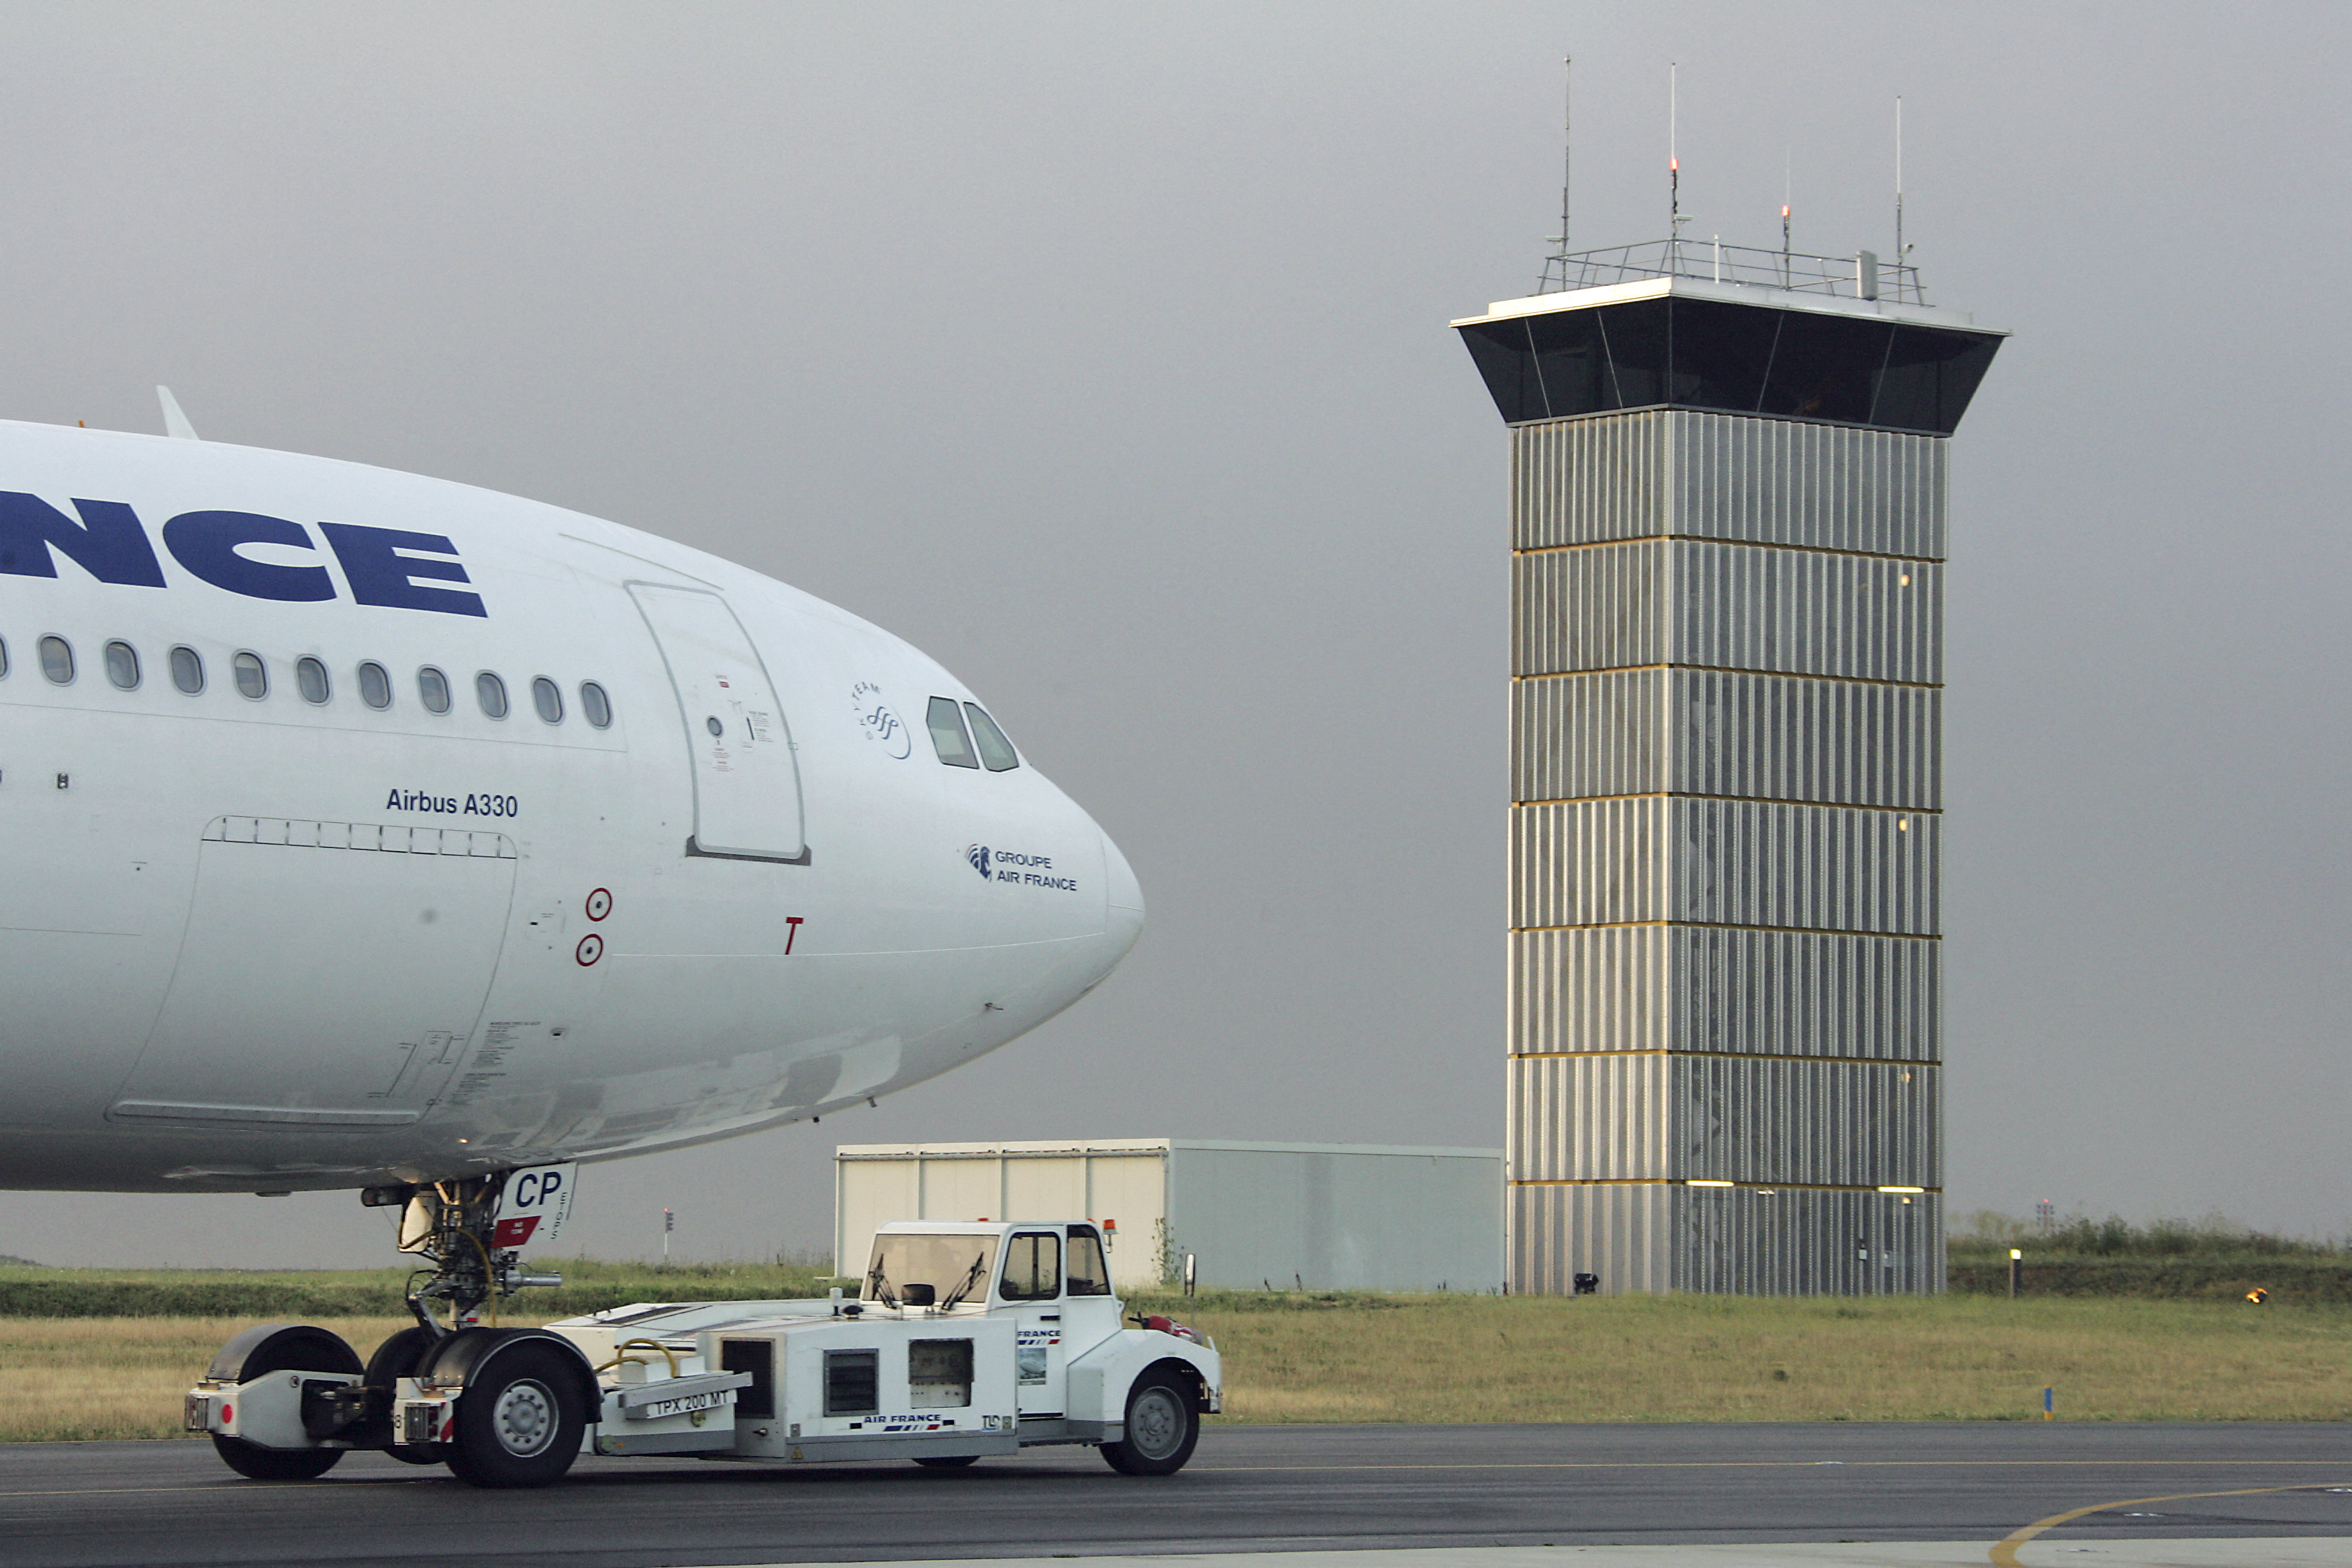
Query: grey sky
{"points": [[1101, 353]]}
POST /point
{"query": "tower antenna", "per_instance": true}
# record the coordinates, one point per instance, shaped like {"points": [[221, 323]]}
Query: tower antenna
{"points": [[1900, 250], [1673, 166], [1787, 184], [1559, 257]]}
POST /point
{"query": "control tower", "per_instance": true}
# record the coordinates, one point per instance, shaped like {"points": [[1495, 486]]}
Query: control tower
{"points": [[1727, 524]]}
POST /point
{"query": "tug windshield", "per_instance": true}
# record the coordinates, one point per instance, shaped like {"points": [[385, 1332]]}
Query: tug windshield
{"points": [[956, 1267]]}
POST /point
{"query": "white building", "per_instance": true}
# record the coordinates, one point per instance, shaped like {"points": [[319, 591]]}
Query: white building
{"points": [[1326, 1216]]}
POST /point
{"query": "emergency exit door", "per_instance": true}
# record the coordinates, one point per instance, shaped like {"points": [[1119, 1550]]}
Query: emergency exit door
{"points": [[746, 784]]}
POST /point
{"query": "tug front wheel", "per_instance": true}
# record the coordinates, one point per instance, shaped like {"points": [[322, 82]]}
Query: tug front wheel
{"points": [[520, 1419], [1163, 1423]]}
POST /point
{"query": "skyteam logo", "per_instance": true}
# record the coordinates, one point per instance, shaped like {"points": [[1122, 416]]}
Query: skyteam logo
{"points": [[978, 855]]}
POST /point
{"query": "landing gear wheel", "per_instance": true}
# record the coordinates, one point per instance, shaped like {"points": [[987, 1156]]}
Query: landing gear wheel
{"points": [[948, 1461], [396, 1358], [520, 1421], [256, 1463], [1162, 1426]]}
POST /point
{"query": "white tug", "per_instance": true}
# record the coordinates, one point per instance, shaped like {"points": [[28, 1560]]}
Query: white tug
{"points": [[966, 1341]]}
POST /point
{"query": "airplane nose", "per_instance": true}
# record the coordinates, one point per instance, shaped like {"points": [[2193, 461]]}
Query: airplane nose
{"points": [[1123, 896]]}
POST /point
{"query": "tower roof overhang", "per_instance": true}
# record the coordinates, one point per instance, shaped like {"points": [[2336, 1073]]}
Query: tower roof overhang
{"points": [[1687, 342]]}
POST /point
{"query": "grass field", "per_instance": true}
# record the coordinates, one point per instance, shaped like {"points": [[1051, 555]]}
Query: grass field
{"points": [[590, 1285], [1293, 1357]]}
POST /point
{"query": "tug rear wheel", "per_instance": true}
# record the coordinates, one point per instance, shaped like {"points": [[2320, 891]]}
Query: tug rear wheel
{"points": [[396, 1358], [279, 1347], [256, 1463], [520, 1420]]}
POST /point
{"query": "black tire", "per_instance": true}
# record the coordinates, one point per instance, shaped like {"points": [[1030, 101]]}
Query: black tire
{"points": [[282, 1348], [256, 1463], [396, 1358], [520, 1420], [1163, 1424], [948, 1461]]}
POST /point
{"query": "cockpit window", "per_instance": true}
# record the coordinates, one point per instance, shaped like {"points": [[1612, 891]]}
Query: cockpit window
{"points": [[948, 736], [956, 1267], [994, 749]]}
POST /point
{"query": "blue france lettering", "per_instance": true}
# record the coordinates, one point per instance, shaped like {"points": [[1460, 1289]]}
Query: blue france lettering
{"points": [[387, 567], [206, 543], [108, 543]]}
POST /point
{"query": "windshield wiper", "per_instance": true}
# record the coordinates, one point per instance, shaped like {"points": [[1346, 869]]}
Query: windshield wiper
{"points": [[879, 1283], [973, 1276]]}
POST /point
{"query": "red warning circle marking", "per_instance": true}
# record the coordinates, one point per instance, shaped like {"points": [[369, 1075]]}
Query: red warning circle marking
{"points": [[600, 903], [592, 948]]}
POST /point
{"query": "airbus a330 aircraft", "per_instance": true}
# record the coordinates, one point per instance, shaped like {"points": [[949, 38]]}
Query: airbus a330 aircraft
{"points": [[371, 831]]}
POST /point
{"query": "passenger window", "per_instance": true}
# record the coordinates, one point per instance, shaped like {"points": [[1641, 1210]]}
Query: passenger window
{"points": [[188, 670], [311, 676], [491, 692], [432, 689], [252, 676], [1089, 1275], [947, 737], [994, 749], [57, 660], [1033, 1266], [548, 698], [122, 666], [595, 705], [375, 685]]}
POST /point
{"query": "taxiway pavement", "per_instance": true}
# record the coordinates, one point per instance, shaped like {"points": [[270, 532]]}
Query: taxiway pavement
{"points": [[1954, 1487]]}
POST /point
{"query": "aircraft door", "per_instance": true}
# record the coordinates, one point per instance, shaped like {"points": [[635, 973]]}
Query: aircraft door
{"points": [[747, 785]]}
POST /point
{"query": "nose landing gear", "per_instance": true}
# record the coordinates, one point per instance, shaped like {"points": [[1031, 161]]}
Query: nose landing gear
{"points": [[501, 1407]]}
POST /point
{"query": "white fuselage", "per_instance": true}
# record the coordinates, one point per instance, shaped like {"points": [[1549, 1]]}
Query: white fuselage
{"points": [[269, 943]]}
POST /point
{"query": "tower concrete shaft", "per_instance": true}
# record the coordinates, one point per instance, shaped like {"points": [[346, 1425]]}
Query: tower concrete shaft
{"points": [[1724, 1038]]}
